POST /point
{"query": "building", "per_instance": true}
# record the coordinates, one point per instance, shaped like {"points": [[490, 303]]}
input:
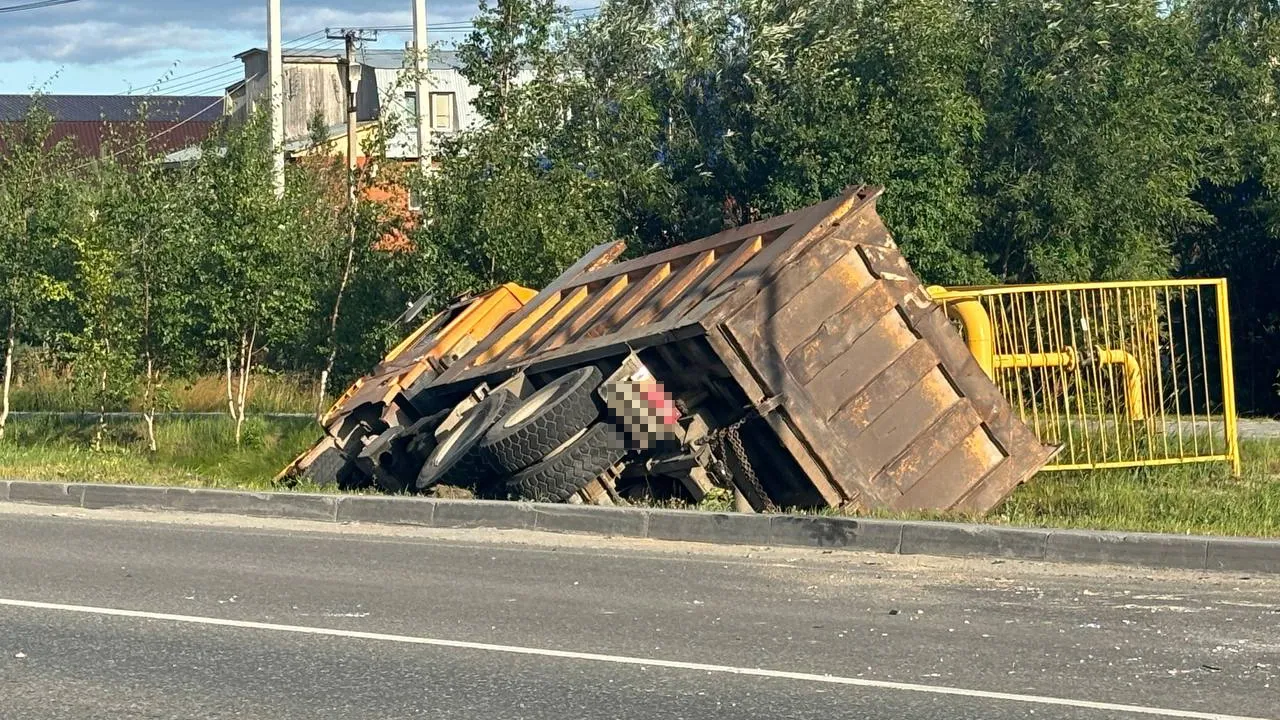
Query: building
{"points": [[96, 125], [314, 91]]}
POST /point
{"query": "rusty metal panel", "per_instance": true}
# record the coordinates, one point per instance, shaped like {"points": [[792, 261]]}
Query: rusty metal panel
{"points": [[636, 302], [891, 405], [817, 317]]}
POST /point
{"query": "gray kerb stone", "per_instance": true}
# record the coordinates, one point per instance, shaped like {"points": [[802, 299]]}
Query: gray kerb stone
{"points": [[494, 514], [42, 493], [710, 527], [1243, 555], [836, 532], [956, 540], [606, 521], [1147, 550], [386, 510], [124, 496], [294, 506]]}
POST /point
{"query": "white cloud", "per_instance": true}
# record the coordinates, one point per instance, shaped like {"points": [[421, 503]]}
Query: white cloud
{"points": [[96, 41]]}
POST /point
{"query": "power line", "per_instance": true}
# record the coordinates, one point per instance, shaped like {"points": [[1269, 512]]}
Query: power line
{"points": [[219, 80], [167, 84], [35, 5], [157, 136], [463, 25]]}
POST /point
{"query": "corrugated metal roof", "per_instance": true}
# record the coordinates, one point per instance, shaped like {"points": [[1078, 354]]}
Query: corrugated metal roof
{"points": [[93, 139], [115, 108]]}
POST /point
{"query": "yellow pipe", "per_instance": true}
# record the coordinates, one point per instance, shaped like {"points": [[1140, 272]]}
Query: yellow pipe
{"points": [[977, 328], [943, 293], [980, 337], [1138, 463], [1132, 379], [1066, 359]]}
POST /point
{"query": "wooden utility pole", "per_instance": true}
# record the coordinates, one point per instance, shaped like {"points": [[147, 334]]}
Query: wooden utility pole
{"points": [[422, 66], [352, 38], [353, 115], [352, 75], [275, 92]]}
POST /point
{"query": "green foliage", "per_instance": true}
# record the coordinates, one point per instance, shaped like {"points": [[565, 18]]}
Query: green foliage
{"points": [[36, 241], [1017, 141]]}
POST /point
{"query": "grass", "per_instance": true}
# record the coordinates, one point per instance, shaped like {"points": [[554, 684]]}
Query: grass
{"points": [[192, 452], [45, 390], [200, 452], [1196, 499]]}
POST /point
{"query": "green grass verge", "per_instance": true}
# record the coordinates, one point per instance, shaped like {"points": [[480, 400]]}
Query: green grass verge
{"points": [[44, 390], [1196, 499], [191, 452], [200, 452]]}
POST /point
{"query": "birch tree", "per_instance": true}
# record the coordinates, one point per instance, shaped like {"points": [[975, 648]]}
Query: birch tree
{"points": [[35, 253], [250, 283]]}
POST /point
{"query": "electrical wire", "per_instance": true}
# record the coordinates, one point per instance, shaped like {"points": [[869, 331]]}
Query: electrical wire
{"points": [[35, 5], [214, 81], [167, 85], [157, 136]]}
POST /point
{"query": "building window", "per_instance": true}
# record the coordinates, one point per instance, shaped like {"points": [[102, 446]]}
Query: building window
{"points": [[442, 112], [411, 104]]}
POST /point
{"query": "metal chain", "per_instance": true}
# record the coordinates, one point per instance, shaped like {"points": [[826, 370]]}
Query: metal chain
{"points": [[748, 474]]}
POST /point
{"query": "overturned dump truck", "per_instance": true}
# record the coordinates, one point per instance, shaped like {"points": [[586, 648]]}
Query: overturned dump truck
{"points": [[797, 361]]}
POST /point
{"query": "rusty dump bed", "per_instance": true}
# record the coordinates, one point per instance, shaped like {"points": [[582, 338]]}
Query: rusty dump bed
{"points": [[813, 324], [416, 359], [378, 399]]}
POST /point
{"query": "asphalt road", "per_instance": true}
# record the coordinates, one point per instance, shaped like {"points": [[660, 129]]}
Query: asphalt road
{"points": [[114, 615]]}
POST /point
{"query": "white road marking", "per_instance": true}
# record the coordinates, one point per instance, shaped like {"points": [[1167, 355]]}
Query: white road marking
{"points": [[639, 661]]}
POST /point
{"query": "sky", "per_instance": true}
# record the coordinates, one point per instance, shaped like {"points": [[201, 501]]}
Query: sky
{"points": [[106, 47]]}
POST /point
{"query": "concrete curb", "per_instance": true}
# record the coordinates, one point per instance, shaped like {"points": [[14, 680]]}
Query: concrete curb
{"points": [[1186, 552]]}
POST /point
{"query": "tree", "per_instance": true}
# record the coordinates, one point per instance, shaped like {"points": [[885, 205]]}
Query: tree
{"points": [[36, 255], [503, 205], [1094, 139], [1237, 45], [104, 345], [145, 218], [250, 282]]}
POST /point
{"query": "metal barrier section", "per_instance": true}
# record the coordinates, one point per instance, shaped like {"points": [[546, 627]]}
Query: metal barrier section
{"points": [[1117, 374]]}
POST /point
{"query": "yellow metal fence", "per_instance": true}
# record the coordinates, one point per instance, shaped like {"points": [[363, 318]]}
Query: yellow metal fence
{"points": [[1119, 374]]}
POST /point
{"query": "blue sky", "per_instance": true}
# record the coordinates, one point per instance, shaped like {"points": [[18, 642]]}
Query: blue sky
{"points": [[116, 46]]}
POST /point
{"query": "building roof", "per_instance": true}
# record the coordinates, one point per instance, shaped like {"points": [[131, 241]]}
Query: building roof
{"points": [[114, 108], [438, 59], [92, 139]]}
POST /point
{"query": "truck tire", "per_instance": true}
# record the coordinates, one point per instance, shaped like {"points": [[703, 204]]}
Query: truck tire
{"points": [[570, 467], [542, 422], [455, 460], [331, 468]]}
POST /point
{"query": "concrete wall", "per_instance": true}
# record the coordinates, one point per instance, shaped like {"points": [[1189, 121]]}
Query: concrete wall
{"points": [[316, 83]]}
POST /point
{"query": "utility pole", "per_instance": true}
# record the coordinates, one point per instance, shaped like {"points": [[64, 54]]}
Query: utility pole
{"points": [[275, 92], [421, 66], [352, 75], [352, 38]]}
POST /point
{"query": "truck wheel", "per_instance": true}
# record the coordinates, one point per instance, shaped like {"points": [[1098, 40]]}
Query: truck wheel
{"points": [[330, 468], [455, 460], [571, 466], [542, 422], [422, 438]]}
